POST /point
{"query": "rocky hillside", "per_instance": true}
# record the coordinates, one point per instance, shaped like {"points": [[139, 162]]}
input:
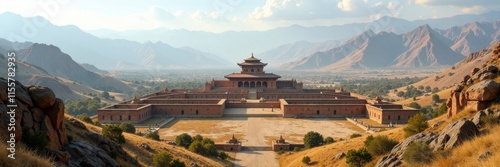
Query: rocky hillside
{"points": [[45, 136]]}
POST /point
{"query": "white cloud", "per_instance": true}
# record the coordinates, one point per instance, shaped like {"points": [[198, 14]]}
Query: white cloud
{"points": [[160, 14], [459, 3]]}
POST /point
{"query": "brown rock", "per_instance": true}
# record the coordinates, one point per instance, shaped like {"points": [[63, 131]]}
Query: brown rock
{"points": [[488, 75], [458, 88], [477, 105], [60, 156], [52, 135], [37, 127], [492, 69], [474, 71], [61, 133], [42, 96], [56, 113], [27, 119], [77, 123], [37, 114], [466, 78], [395, 157], [486, 90], [4, 120], [22, 94], [454, 134]]}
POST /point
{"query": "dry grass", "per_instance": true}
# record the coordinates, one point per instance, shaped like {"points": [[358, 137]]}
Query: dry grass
{"points": [[24, 157], [427, 100], [322, 156], [467, 154]]}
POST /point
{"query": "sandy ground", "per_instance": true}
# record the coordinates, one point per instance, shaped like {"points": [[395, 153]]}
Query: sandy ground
{"points": [[258, 131]]}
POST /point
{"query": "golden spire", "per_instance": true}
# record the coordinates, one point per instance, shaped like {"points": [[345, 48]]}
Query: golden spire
{"points": [[252, 55]]}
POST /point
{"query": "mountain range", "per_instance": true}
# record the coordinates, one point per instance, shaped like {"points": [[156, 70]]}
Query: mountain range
{"points": [[421, 47], [231, 45], [103, 53]]}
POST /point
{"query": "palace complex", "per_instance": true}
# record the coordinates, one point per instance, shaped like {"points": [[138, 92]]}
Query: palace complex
{"points": [[253, 87]]}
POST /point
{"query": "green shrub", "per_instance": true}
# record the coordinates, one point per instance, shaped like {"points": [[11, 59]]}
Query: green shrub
{"points": [[418, 153], [296, 149], [490, 119], [113, 132], [183, 140], [162, 159], [379, 145], [153, 135], [196, 147], [354, 135], [127, 127], [414, 105], [34, 140], [306, 160], [85, 118], [222, 155], [313, 139], [177, 163], [197, 138], [329, 140], [416, 124], [97, 123], [358, 157]]}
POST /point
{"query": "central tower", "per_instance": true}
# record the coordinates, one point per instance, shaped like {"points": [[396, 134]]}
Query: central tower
{"points": [[252, 75]]}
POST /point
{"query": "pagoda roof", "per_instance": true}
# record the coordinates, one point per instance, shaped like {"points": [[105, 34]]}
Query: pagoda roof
{"points": [[264, 75], [252, 63]]}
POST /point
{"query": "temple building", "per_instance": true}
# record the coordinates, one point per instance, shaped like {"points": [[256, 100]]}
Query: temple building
{"points": [[252, 87]]}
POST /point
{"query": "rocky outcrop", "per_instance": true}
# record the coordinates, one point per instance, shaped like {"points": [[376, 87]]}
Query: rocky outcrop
{"points": [[478, 118], [486, 90], [109, 146], [481, 91], [451, 136], [38, 110], [395, 157], [84, 154], [454, 134]]}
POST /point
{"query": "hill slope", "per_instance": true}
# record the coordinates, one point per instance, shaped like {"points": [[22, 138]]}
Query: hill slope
{"points": [[59, 64]]}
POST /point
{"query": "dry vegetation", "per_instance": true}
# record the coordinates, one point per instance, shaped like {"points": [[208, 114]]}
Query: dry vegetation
{"points": [[464, 155], [145, 157], [24, 157], [427, 100]]}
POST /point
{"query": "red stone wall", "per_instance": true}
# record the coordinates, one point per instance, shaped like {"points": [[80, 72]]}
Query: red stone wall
{"points": [[189, 110], [386, 116], [323, 110], [111, 115], [228, 146]]}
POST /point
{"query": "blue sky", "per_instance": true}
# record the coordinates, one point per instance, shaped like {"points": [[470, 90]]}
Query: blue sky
{"points": [[235, 15]]}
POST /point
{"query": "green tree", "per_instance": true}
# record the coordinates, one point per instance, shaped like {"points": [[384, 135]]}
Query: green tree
{"points": [[400, 94], [435, 90], [84, 118], [354, 135], [435, 98], [184, 140], [416, 124], [427, 88], [177, 163], [440, 111], [105, 94], [379, 145], [418, 153], [153, 135], [223, 155], [127, 127], [162, 159], [196, 147], [358, 158], [313, 139], [306, 160], [329, 140], [197, 138], [113, 132], [414, 105], [421, 87]]}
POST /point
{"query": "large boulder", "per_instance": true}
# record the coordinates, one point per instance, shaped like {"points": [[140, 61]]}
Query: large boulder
{"points": [[84, 154], [486, 90], [77, 123], [395, 157], [454, 134], [42, 96], [109, 145]]}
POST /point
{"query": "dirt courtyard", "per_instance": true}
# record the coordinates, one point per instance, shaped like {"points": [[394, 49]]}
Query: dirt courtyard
{"points": [[258, 131]]}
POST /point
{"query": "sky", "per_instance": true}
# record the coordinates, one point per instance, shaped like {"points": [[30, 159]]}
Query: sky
{"points": [[234, 15]]}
